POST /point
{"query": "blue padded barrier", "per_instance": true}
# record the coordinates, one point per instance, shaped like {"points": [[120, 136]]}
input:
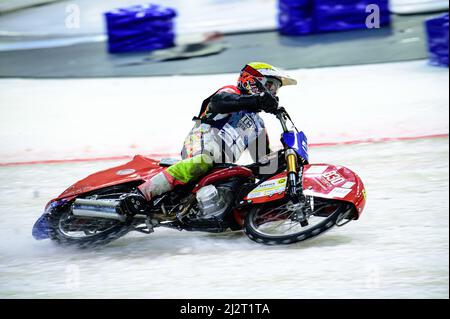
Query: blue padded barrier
{"points": [[299, 17], [295, 17], [140, 28], [341, 15], [437, 30]]}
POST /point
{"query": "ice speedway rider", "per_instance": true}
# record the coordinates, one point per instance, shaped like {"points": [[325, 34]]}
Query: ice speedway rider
{"points": [[227, 125]]}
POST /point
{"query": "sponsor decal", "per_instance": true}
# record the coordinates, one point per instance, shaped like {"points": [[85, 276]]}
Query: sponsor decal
{"points": [[269, 188], [325, 182], [339, 192], [335, 193], [334, 178], [316, 170], [348, 185]]}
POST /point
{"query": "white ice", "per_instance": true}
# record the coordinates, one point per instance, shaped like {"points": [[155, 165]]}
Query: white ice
{"points": [[398, 249], [62, 119]]}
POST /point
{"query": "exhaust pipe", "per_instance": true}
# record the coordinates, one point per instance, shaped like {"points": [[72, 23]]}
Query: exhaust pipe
{"points": [[97, 209]]}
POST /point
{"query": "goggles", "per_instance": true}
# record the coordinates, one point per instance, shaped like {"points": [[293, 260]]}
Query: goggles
{"points": [[272, 85]]}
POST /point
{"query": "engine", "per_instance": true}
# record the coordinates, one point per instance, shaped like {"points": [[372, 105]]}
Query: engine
{"points": [[213, 201]]}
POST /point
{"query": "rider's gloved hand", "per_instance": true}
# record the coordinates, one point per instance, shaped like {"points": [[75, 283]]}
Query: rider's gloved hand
{"points": [[267, 102]]}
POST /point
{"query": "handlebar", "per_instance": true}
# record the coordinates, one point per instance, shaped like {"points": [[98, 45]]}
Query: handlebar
{"points": [[280, 113], [282, 116]]}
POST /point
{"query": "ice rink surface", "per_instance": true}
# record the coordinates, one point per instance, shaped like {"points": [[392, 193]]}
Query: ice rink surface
{"points": [[398, 249], [79, 118]]}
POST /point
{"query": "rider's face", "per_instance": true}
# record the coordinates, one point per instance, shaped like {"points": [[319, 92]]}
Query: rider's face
{"points": [[272, 85]]}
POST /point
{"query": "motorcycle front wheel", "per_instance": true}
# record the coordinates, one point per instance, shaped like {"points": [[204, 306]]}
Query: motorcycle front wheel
{"points": [[276, 224]]}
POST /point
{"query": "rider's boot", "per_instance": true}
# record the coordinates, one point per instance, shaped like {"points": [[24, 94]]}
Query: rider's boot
{"points": [[159, 184], [140, 202], [179, 174]]}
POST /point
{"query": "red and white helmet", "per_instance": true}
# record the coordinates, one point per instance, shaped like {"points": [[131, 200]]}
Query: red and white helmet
{"points": [[256, 77]]}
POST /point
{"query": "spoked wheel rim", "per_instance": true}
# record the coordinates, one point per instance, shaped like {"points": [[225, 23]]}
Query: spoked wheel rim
{"points": [[279, 222], [84, 232], [77, 228]]}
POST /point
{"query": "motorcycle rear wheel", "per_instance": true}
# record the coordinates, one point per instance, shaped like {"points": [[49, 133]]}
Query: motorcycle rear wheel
{"points": [[272, 223], [69, 230]]}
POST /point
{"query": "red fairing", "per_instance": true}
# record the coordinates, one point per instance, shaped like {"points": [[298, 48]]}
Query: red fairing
{"points": [[319, 180], [335, 182], [139, 169], [219, 175]]}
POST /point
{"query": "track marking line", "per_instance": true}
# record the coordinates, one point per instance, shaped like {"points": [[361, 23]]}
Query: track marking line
{"points": [[129, 157]]}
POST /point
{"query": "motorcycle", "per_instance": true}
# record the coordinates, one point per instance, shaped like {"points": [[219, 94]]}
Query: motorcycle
{"points": [[292, 202]]}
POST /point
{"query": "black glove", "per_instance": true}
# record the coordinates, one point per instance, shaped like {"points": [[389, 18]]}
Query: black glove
{"points": [[267, 102]]}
